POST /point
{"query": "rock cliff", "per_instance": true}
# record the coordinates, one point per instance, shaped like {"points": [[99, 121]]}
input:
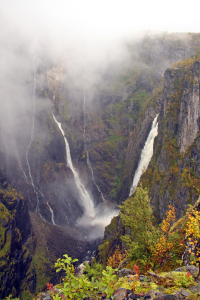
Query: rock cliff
{"points": [[173, 175], [106, 123]]}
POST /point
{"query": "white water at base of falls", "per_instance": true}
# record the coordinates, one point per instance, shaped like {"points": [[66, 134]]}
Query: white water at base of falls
{"points": [[146, 155], [87, 154], [86, 202], [104, 212]]}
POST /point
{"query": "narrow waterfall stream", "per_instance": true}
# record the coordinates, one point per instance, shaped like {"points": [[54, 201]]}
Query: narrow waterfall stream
{"points": [[146, 155], [86, 202], [32, 135], [36, 190], [87, 154], [52, 214]]}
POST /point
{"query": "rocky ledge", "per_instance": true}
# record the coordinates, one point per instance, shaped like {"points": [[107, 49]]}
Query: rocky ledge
{"points": [[177, 284]]}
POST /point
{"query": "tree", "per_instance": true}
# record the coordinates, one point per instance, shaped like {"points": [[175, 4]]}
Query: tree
{"points": [[136, 215], [166, 243], [193, 236]]}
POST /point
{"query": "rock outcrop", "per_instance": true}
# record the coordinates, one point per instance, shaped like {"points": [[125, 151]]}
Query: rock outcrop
{"points": [[17, 269], [173, 175]]}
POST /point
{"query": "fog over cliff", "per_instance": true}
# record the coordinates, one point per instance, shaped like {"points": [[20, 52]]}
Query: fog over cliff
{"points": [[82, 36], [77, 50]]}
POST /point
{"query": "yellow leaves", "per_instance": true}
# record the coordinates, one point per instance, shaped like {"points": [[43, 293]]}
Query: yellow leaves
{"points": [[193, 233], [184, 64], [115, 259], [193, 226], [170, 219], [164, 246]]}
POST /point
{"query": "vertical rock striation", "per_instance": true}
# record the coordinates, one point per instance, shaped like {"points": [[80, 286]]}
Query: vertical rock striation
{"points": [[173, 175]]}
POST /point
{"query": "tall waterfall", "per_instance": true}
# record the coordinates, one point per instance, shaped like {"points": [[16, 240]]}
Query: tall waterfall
{"points": [[87, 154], [87, 202], [146, 155]]}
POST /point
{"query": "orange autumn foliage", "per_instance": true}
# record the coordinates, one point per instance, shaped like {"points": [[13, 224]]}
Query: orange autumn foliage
{"points": [[164, 245], [115, 259]]}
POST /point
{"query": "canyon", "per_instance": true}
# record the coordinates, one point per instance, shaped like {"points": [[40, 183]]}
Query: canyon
{"points": [[70, 149]]}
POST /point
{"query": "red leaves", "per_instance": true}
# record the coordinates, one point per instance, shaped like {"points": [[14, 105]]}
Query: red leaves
{"points": [[188, 274], [136, 269], [50, 287]]}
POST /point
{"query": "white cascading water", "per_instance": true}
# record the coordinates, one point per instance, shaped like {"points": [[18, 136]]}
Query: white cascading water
{"points": [[87, 202], [95, 219], [52, 214], [31, 139], [19, 163], [36, 190], [146, 155], [87, 154]]}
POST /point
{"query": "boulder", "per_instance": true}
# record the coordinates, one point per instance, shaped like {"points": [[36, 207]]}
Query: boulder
{"points": [[126, 272], [120, 294]]}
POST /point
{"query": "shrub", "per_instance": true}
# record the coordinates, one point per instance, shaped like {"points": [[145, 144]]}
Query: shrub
{"points": [[81, 287]]}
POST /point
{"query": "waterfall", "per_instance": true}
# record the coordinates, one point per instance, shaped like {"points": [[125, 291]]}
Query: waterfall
{"points": [[146, 155], [19, 163], [87, 154], [87, 202], [52, 214], [32, 134], [36, 190]]}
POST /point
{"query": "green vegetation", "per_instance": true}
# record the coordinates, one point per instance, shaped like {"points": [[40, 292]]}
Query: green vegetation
{"points": [[136, 215], [11, 244], [42, 257], [82, 287]]}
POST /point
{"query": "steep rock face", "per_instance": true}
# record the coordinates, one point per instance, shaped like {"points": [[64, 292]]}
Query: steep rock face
{"points": [[173, 175], [189, 117], [136, 143], [17, 270], [30, 247]]}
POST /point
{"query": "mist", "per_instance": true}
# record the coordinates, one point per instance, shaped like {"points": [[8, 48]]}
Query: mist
{"points": [[82, 40]]}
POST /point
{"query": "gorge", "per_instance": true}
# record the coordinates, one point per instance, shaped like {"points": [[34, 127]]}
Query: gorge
{"points": [[73, 142]]}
